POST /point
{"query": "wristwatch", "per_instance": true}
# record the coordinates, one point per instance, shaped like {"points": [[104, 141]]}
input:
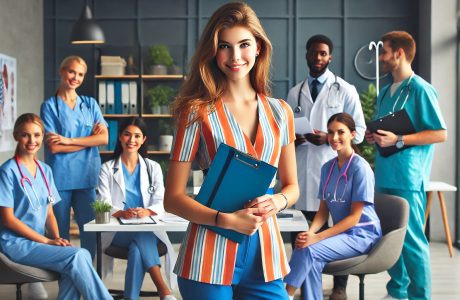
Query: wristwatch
{"points": [[400, 142]]}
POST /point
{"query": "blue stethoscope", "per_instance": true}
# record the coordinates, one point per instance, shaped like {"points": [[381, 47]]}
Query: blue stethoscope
{"points": [[336, 86], [344, 175], [25, 179], [87, 118], [406, 88]]}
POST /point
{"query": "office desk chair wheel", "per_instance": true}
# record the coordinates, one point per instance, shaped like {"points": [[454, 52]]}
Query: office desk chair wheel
{"points": [[122, 253]]}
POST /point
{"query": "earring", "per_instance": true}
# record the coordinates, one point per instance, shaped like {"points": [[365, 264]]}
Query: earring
{"points": [[257, 54]]}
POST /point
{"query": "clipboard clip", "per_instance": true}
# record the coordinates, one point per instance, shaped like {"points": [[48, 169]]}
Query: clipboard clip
{"points": [[247, 160]]}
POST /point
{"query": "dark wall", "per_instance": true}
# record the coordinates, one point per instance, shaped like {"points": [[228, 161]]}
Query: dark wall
{"points": [[351, 24]]}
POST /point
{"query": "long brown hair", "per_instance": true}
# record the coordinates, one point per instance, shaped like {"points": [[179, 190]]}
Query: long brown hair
{"points": [[24, 119], [348, 121], [205, 83]]}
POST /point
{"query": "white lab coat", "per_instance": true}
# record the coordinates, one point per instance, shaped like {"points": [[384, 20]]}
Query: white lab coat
{"points": [[310, 157], [112, 188]]}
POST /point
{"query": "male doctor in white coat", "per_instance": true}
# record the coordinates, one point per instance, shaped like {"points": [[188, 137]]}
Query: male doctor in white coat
{"points": [[314, 101]]}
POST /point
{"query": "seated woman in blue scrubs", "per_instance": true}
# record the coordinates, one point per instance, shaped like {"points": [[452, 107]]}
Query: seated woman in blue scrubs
{"points": [[74, 129], [347, 193], [28, 193], [134, 186]]}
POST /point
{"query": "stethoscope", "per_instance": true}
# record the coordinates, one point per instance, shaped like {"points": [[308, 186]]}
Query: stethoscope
{"points": [[344, 175], [87, 118], [152, 188], [335, 84], [25, 179], [406, 88]]}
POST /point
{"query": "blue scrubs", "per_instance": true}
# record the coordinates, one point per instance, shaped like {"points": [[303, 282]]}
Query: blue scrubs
{"points": [[248, 279], [307, 263], [142, 246], [76, 173], [405, 174], [77, 275]]}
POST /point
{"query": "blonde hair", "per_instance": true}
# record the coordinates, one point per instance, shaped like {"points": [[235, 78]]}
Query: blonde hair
{"points": [[205, 82], [24, 119], [73, 58]]}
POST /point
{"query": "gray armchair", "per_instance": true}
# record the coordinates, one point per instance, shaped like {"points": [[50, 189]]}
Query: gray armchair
{"points": [[393, 212], [14, 273]]}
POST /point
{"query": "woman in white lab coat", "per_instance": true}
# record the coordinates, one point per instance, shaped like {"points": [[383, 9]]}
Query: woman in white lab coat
{"points": [[134, 186], [336, 95]]}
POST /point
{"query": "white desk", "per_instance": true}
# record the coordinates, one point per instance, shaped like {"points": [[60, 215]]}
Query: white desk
{"points": [[297, 223], [440, 187]]}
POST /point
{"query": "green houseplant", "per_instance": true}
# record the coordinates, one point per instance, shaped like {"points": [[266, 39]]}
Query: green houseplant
{"points": [[160, 97], [161, 59], [101, 210], [165, 139], [368, 98]]}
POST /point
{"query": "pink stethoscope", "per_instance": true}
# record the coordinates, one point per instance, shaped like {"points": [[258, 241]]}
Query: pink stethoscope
{"points": [[25, 179], [344, 174]]}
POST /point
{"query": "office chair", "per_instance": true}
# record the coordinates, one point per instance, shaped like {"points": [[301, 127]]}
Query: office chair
{"points": [[14, 273], [393, 213], [122, 253]]}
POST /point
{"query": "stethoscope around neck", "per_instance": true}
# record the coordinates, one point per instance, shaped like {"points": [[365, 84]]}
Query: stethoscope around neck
{"points": [[406, 88], [335, 84], [152, 188], [344, 175], [25, 179], [87, 120]]}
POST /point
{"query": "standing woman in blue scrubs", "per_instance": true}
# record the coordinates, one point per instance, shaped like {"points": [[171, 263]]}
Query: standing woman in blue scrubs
{"points": [[347, 193], [134, 186], [74, 127], [28, 193]]}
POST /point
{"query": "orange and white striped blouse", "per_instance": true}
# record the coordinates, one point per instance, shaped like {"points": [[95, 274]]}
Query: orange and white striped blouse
{"points": [[204, 255]]}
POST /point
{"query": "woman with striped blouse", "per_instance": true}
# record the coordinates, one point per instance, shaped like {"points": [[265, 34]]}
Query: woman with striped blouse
{"points": [[224, 100]]}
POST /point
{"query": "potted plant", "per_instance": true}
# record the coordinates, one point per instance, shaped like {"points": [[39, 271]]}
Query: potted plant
{"points": [[160, 97], [161, 59], [101, 210], [166, 135], [367, 98]]}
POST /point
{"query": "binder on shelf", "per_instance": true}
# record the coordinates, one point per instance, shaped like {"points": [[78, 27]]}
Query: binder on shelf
{"points": [[102, 96], [398, 123], [133, 97], [113, 134], [125, 97], [117, 95], [110, 107], [233, 179]]}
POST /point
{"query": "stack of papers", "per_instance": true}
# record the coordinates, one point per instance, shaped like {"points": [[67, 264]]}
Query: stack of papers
{"points": [[171, 218], [144, 220]]}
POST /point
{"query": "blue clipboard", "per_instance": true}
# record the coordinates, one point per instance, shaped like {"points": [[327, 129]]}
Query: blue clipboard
{"points": [[233, 179]]}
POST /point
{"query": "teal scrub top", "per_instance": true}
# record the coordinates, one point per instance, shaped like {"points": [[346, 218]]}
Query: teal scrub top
{"points": [[14, 196], [409, 169], [133, 193], [80, 169]]}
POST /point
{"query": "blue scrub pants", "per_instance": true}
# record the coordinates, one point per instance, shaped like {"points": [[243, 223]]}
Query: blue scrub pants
{"points": [[142, 256], [411, 275], [77, 275], [80, 201], [308, 263], [248, 280]]}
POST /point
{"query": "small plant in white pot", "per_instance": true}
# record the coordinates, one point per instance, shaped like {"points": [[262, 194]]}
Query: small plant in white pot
{"points": [[166, 136], [161, 59], [160, 97], [101, 210]]}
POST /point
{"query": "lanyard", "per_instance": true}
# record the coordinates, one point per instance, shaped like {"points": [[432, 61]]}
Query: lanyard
{"points": [[338, 179]]}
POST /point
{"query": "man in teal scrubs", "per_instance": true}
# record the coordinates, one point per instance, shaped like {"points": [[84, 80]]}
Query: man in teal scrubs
{"points": [[406, 173]]}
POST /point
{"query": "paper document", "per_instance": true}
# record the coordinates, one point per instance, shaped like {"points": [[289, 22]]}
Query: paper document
{"points": [[302, 125], [171, 218], [144, 220]]}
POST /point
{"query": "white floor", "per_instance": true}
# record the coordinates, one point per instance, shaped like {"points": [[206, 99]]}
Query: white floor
{"points": [[445, 276]]}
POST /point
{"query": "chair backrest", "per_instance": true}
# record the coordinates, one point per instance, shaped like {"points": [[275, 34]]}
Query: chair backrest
{"points": [[393, 211]]}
